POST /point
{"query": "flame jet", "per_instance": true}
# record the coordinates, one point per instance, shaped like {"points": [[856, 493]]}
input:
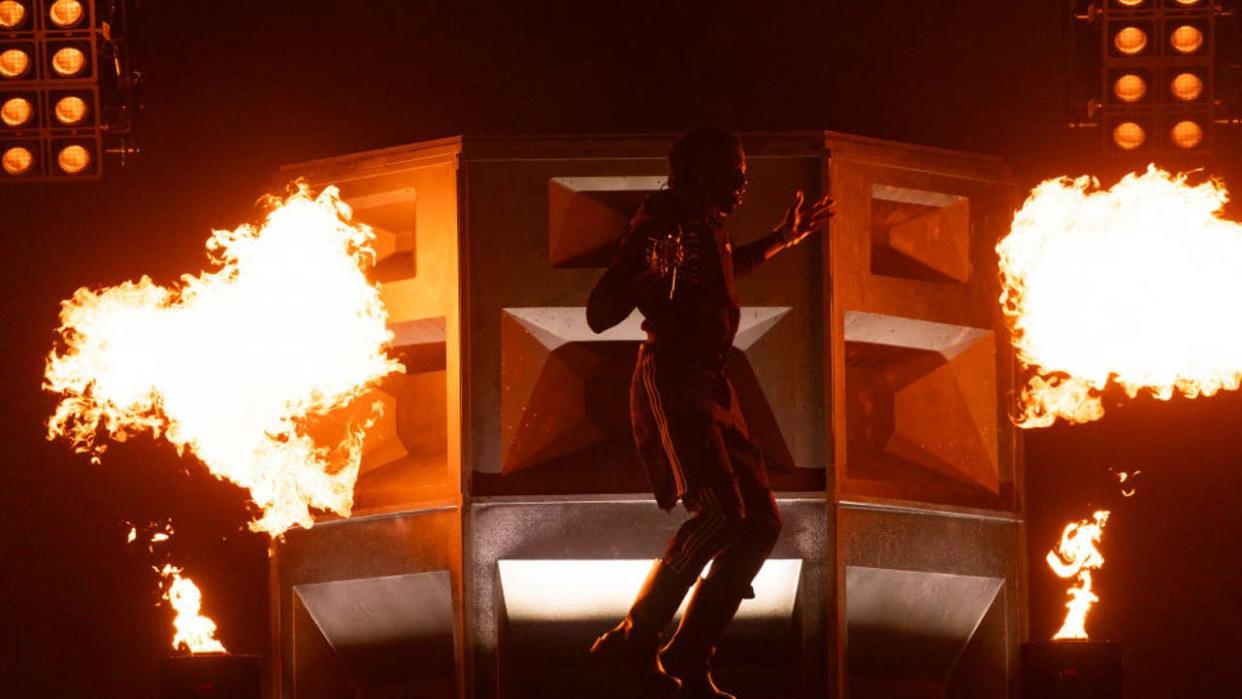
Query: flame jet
{"points": [[1075, 557], [193, 631], [1132, 285], [233, 364]]}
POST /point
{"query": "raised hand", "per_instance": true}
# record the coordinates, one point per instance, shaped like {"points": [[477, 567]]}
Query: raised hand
{"points": [[802, 219]]}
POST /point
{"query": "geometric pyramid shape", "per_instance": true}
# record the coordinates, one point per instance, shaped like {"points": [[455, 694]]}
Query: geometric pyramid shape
{"points": [[420, 344], [907, 631], [564, 388], [409, 438], [392, 214], [408, 447], [920, 235], [386, 630], [413, 418], [587, 216], [921, 402]]}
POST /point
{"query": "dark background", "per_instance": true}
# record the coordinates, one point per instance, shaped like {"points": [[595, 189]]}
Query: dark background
{"points": [[235, 88]]}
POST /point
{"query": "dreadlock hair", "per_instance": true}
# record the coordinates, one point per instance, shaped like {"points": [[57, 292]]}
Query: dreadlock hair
{"points": [[695, 151]]}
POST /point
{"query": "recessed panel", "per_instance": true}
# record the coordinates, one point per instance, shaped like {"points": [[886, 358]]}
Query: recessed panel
{"points": [[405, 451], [565, 389], [587, 216], [919, 234], [392, 215], [551, 574], [556, 591], [908, 630], [377, 626], [921, 407]]}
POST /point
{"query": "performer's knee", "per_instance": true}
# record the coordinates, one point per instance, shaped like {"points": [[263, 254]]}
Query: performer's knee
{"points": [[766, 527]]}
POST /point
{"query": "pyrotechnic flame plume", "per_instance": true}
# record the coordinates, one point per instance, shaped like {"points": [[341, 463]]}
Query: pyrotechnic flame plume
{"points": [[194, 632], [1132, 285], [1075, 557], [232, 363]]}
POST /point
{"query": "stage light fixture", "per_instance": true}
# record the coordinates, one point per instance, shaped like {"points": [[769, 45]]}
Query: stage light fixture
{"points": [[68, 61], [14, 63], [1186, 87], [70, 110], [12, 14], [66, 13], [1186, 134], [59, 112], [1148, 75], [17, 160], [1186, 39], [1129, 135], [1130, 88], [1130, 40], [73, 159], [16, 111]]}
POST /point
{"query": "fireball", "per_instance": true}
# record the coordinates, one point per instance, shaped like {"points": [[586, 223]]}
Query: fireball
{"points": [[235, 363], [1130, 286]]}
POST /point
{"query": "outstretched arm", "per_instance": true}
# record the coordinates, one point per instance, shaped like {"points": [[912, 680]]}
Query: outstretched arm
{"points": [[800, 221], [617, 293]]}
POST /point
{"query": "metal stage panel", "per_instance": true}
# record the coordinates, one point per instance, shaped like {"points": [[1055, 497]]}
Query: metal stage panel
{"points": [[934, 602], [931, 592], [776, 647], [502, 520], [543, 219], [370, 605]]}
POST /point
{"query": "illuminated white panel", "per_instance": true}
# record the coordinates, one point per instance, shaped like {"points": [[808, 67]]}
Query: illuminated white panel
{"points": [[622, 183], [558, 325], [600, 590]]}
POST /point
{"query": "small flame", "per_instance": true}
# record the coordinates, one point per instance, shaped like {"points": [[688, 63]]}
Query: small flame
{"points": [[1075, 557], [1123, 478], [194, 632], [235, 363], [1130, 285], [132, 536]]}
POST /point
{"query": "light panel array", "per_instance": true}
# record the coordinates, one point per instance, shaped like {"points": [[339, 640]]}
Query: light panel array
{"points": [[1158, 62], [50, 126]]}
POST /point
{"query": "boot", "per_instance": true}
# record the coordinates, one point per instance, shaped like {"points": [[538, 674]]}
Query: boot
{"points": [[688, 656], [635, 643]]}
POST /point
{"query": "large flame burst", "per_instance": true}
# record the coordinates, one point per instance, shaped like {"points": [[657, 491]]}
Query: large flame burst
{"points": [[1129, 285], [1075, 557], [233, 363]]}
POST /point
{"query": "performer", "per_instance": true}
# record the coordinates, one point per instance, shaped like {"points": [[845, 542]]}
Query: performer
{"points": [[677, 265]]}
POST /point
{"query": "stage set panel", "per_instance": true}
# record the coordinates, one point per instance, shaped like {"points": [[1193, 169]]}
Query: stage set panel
{"points": [[551, 574], [931, 593], [545, 217], [502, 519], [353, 600]]}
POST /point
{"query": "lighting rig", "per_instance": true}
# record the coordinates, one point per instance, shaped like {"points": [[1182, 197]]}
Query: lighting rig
{"points": [[1157, 77], [67, 91]]}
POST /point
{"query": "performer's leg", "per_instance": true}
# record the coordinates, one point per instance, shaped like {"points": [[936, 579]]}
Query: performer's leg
{"points": [[635, 642], [718, 596]]}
